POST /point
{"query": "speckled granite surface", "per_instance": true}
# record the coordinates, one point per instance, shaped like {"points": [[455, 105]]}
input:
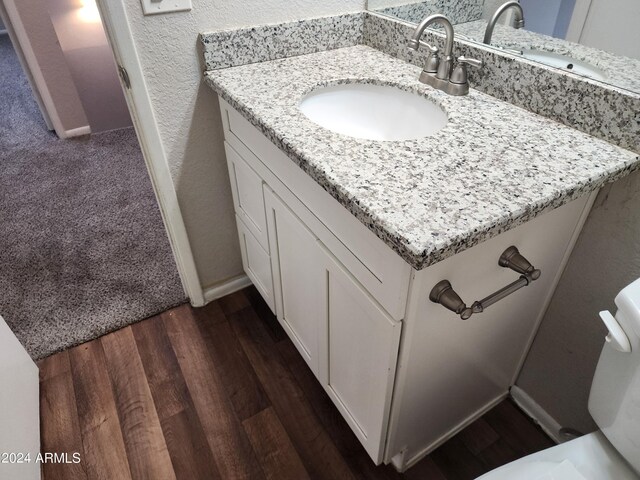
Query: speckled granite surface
{"points": [[458, 11], [606, 112], [229, 48], [494, 166], [620, 71]]}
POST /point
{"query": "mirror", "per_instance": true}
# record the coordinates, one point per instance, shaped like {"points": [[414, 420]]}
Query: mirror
{"points": [[598, 39]]}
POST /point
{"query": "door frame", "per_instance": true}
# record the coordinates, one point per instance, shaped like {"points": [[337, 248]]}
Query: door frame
{"points": [[120, 37]]}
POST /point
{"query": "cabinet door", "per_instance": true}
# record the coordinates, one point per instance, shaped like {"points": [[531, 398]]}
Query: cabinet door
{"points": [[359, 355], [346, 337], [296, 260], [256, 263]]}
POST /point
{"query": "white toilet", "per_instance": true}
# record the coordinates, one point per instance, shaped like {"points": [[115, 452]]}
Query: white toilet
{"points": [[613, 452]]}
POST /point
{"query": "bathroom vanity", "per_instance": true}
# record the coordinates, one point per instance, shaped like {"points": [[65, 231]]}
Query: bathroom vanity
{"points": [[345, 238]]}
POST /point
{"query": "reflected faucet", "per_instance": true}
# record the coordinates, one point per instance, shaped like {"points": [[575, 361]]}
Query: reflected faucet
{"points": [[439, 72], [518, 23]]}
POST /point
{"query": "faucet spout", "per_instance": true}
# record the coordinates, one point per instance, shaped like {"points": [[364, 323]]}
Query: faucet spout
{"points": [[438, 71], [518, 22], [414, 42]]}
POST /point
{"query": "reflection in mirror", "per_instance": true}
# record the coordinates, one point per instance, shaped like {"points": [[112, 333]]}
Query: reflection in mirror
{"points": [[598, 39], [457, 11]]}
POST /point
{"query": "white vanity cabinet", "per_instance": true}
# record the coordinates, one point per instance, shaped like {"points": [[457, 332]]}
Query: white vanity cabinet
{"points": [[405, 373]]}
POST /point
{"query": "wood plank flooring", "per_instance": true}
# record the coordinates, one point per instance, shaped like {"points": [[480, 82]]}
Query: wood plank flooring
{"points": [[221, 392]]}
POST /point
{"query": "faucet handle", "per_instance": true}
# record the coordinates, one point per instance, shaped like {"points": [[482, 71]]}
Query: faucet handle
{"points": [[416, 44], [470, 61], [432, 50], [433, 60], [459, 74]]}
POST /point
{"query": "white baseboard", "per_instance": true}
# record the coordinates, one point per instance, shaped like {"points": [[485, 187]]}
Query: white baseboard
{"points": [[539, 415], [77, 132], [226, 288]]}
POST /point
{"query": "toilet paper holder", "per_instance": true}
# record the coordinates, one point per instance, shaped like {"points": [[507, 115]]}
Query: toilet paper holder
{"points": [[444, 294]]}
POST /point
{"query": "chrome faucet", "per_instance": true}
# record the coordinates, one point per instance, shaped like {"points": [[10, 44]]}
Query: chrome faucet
{"points": [[438, 71], [518, 23]]}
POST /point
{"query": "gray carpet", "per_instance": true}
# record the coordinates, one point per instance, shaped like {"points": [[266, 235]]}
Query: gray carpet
{"points": [[82, 247]]}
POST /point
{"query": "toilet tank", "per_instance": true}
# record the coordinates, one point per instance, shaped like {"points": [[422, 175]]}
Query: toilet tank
{"points": [[614, 401]]}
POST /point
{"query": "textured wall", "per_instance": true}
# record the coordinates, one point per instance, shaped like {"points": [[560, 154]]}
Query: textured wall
{"points": [[188, 116], [560, 366]]}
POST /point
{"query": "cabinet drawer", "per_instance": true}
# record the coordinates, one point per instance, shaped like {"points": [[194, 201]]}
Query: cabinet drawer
{"points": [[376, 266], [248, 200], [256, 263]]}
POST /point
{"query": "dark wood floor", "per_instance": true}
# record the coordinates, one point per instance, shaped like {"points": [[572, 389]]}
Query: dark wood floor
{"points": [[221, 392]]}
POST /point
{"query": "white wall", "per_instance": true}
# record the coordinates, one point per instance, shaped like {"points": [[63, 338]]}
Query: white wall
{"points": [[612, 25], [560, 366], [90, 60], [188, 116]]}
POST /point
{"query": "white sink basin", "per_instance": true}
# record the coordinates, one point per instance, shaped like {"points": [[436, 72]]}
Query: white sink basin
{"points": [[373, 112], [565, 62]]}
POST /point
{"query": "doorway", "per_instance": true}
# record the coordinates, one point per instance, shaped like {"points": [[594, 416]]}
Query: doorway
{"points": [[83, 249]]}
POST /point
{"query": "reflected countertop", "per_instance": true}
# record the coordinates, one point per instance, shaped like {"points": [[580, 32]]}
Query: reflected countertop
{"points": [[622, 72]]}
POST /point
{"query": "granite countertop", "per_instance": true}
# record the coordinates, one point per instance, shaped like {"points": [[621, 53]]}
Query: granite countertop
{"points": [[494, 165], [622, 72]]}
